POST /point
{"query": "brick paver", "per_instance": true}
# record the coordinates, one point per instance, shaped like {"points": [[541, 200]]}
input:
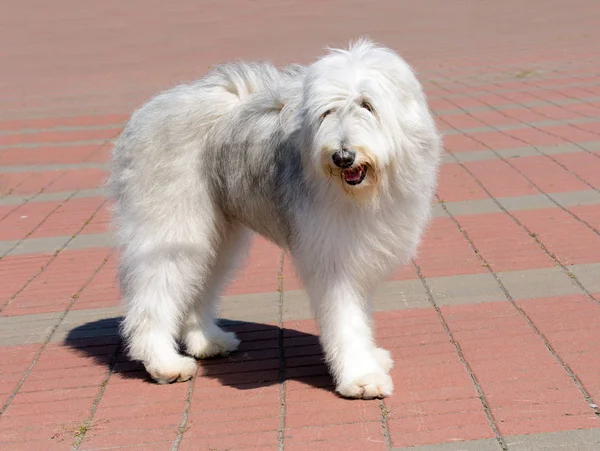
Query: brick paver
{"points": [[493, 327]]}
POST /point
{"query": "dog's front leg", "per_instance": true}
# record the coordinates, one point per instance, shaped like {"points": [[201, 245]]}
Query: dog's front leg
{"points": [[359, 368]]}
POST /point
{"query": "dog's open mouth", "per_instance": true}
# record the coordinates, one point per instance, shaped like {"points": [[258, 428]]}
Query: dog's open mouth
{"points": [[354, 175]]}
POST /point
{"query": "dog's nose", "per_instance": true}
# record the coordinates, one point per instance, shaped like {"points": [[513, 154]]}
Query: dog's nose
{"points": [[344, 158]]}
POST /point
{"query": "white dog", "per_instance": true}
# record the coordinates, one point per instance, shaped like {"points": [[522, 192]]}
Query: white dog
{"points": [[335, 162]]}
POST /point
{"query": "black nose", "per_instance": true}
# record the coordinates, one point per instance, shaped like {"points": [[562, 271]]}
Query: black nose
{"points": [[344, 158]]}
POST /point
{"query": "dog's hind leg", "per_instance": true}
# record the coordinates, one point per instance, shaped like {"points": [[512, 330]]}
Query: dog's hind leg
{"points": [[201, 336], [163, 269]]}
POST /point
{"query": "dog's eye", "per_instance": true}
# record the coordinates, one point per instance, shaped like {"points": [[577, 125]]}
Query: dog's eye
{"points": [[326, 113], [367, 106]]}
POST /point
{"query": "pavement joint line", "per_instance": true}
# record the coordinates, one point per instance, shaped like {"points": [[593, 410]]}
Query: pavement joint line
{"points": [[49, 262], [385, 427], [586, 395], [58, 207], [282, 404], [49, 335], [88, 422], [185, 414], [463, 360]]}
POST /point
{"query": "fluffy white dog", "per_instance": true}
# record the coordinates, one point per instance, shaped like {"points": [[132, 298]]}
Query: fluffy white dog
{"points": [[335, 162]]}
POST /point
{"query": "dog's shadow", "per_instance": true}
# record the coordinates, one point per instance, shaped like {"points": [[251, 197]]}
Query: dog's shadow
{"points": [[267, 355]]}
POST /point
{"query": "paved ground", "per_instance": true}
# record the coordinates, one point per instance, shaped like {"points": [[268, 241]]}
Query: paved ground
{"points": [[494, 327]]}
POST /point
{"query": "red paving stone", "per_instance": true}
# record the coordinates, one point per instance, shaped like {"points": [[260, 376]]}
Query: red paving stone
{"points": [[456, 184], [571, 241], [499, 179], [489, 92], [502, 243], [48, 219], [538, 406], [29, 183], [445, 252], [54, 288]]}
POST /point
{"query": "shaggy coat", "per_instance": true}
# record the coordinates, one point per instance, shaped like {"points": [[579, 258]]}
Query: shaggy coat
{"points": [[335, 162]]}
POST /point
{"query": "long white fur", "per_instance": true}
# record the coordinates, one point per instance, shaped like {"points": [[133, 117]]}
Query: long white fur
{"points": [[247, 149]]}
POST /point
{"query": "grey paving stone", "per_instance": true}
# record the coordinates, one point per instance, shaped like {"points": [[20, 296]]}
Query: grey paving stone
{"points": [[592, 146], [447, 158], [50, 245], [575, 198], [588, 275], [537, 283], [42, 330], [529, 202], [559, 148], [24, 339], [23, 320], [256, 307], [33, 245], [88, 240], [488, 444], [457, 131], [65, 144], [478, 155], [465, 289], [28, 131], [519, 152], [296, 305], [471, 207], [18, 200], [52, 197], [269, 314], [54, 167], [401, 295], [438, 211], [576, 101], [87, 323], [581, 440], [25, 333], [79, 317]]}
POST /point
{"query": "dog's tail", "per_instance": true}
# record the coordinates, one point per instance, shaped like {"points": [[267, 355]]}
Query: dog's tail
{"points": [[235, 84], [242, 79]]}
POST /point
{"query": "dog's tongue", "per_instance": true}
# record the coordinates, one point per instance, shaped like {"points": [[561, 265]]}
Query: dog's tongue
{"points": [[352, 175]]}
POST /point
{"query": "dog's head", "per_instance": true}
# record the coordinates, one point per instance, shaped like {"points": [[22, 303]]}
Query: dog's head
{"points": [[366, 120]]}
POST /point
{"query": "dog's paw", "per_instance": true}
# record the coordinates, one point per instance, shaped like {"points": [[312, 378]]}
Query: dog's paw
{"points": [[384, 359], [180, 369], [219, 343], [368, 386]]}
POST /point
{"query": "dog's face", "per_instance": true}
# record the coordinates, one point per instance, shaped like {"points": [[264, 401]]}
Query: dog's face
{"points": [[363, 110]]}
